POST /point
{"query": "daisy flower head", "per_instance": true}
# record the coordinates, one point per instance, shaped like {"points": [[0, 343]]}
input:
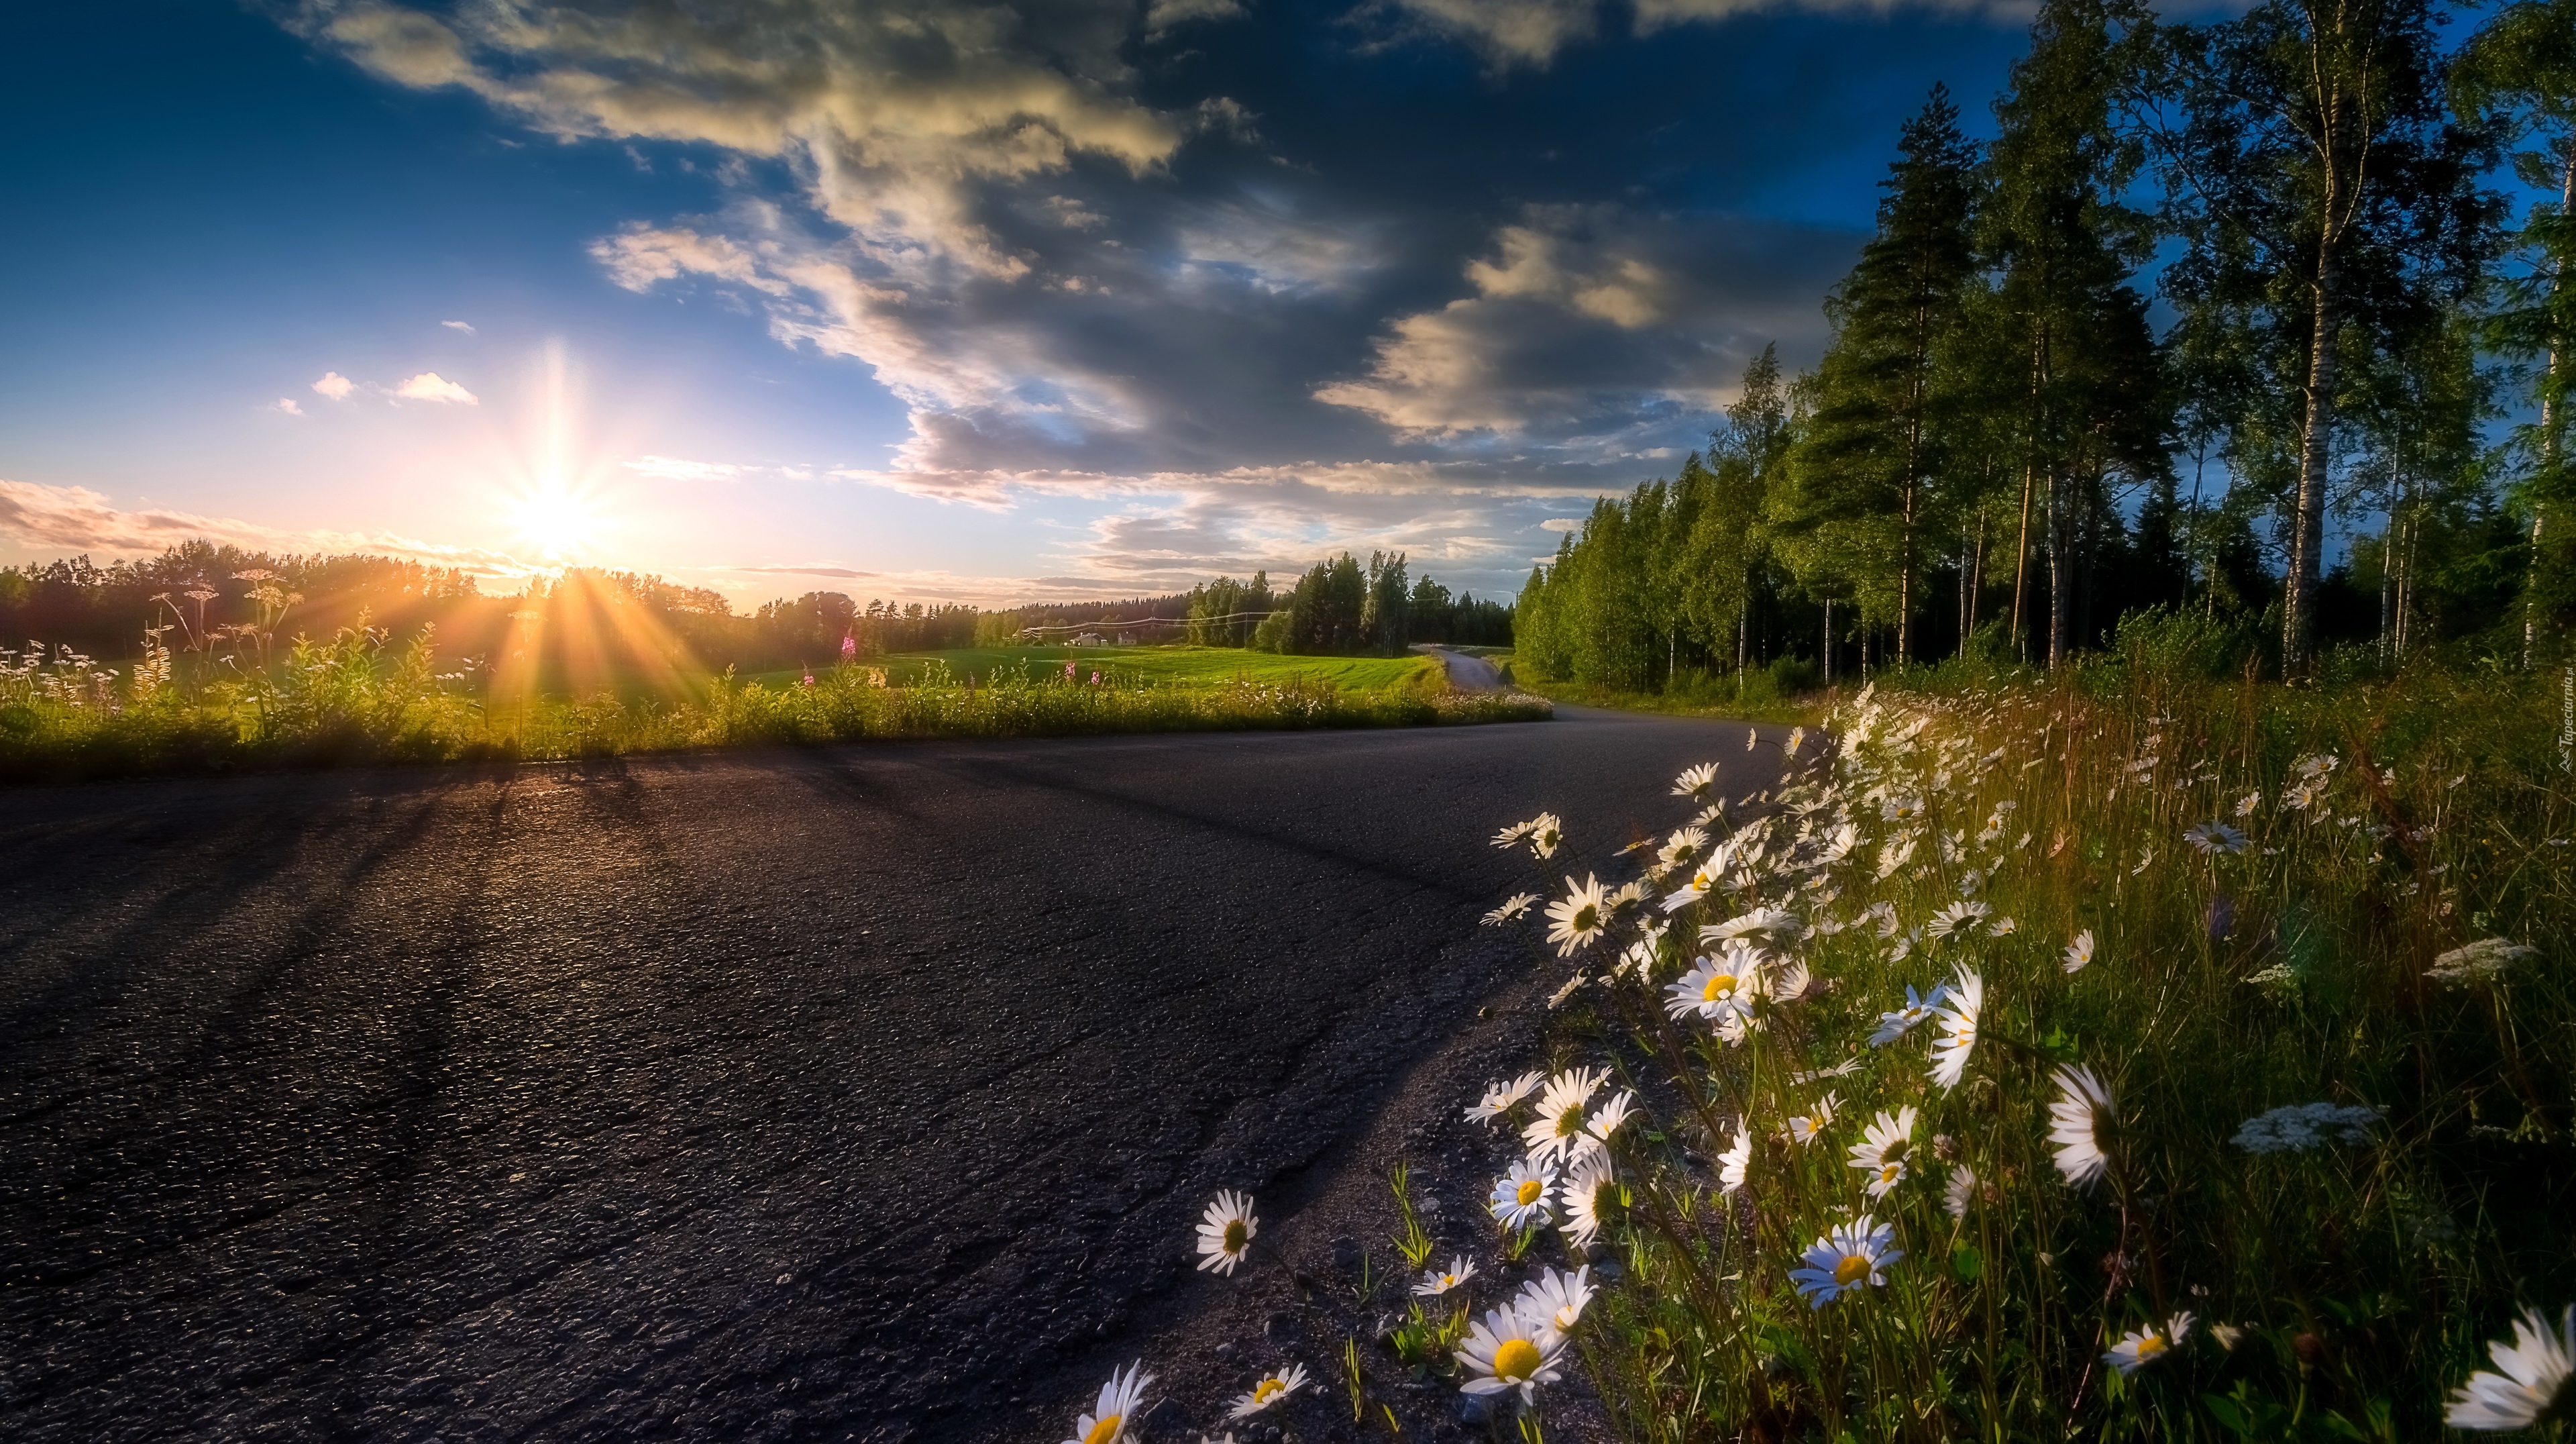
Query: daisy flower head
{"points": [[1892, 1026], [2141, 1347], [1956, 1033], [1556, 1299], [1959, 917], [2079, 953], [1752, 738], [2002, 927], [1849, 1258], [1110, 1418], [1580, 918], [1682, 846], [1511, 836], [1557, 1131], [1704, 879], [2245, 805], [1736, 1163], [1520, 1197], [1720, 984], [1809, 1127], [1434, 1283], [1272, 1388], [1607, 1118], [1779, 922], [1507, 1350], [1588, 1194], [1885, 1149], [1499, 1097], [1226, 1230], [2084, 1105], [1513, 906], [2532, 1386], [1695, 781], [2213, 838], [1960, 1191], [1797, 739]]}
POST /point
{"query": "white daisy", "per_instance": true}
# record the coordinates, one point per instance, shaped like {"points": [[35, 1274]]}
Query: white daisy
{"points": [[2079, 953], [1797, 739], [1558, 1128], [2537, 1364], [1506, 1350], [1718, 986], [1736, 1161], [1704, 879], [1513, 906], [1499, 1097], [1607, 1118], [1512, 835], [1810, 1126], [1958, 917], [1681, 847], [1695, 781], [2209, 838], [1779, 922], [1545, 834], [2141, 1347], [1580, 918], [1956, 1034], [1850, 1257], [2083, 1107], [1885, 1149], [1110, 1419], [1556, 1299], [1588, 1192], [1435, 1283], [1520, 1197], [1790, 981], [1892, 1026], [2002, 927], [1226, 1230], [1960, 1191], [2245, 805], [1271, 1389]]}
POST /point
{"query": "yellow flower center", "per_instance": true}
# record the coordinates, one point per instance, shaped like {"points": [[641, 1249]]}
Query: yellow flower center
{"points": [[1529, 1190], [1699, 881], [1268, 1389], [1719, 985], [1565, 1317], [1854, 1266], [1891, 1173], [1104, 1431], [1569, 1122], [2150, 1346], [1585, 918], [1515, 1359], [1236, 1235]]}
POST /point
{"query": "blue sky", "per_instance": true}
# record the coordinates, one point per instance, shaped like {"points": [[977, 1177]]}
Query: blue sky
{"points": [[934, 302]]}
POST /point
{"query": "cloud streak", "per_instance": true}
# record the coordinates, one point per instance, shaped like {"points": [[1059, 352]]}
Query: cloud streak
{"points": [[77, 519]]}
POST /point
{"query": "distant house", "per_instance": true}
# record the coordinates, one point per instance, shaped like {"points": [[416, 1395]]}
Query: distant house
{"points": [[1126, 639], [1089, 639]]}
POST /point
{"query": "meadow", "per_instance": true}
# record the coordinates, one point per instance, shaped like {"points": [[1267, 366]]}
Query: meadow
{"points": [[361, 698], [2124, 1054]]}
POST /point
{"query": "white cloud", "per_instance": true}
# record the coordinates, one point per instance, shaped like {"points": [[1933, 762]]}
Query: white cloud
{"points": [[77, 519], [288, 405], [1162, 15], [465, 326], [1510, 33], [673, 468], [335, 386], [430, 386], [1562, 523]]}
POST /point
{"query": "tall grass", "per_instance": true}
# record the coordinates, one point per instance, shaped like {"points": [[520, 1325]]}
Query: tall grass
{"points": [[356, 698], [2338, 1289]]}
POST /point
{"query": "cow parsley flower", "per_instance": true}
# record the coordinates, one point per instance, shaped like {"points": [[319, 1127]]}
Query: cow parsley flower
{"points": [[1851, 1257], [1112, 1416], [1520, 1196], [1957, 1030], [1513, 906], [2303, 1126], [1580, 918], [1507, 1350], [2537, 1364], [2077, 1119], [1435, 1283], [2484, 958], [2141, 1347], [1271, 1389], [1226, 1230]]}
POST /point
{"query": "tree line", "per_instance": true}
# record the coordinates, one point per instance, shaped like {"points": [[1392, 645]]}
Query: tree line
{"points": [[1341, 607], [2002, 450]]}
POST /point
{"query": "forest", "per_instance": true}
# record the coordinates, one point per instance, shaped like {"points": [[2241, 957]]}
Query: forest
{"points": [[2258, 326]]}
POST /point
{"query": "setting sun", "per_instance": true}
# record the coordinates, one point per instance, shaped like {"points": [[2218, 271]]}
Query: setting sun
{"points": [[558, 523]]}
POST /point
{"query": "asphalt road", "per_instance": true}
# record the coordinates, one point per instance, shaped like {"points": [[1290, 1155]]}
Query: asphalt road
{"points": [[829, 1094]]}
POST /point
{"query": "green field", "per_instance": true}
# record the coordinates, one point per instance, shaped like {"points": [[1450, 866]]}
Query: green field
{"points": [[1187, 665]]}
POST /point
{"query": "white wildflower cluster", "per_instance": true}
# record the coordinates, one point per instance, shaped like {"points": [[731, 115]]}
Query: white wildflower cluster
{"points": [[2305, 1125], [2485, 958]]}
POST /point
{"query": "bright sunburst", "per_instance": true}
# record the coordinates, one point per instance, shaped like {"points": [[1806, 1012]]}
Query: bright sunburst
{"points": [[558, 523]]}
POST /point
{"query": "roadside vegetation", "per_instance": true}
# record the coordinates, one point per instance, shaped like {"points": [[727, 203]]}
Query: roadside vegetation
{"points": [[358, 697], [2137, 1052]]}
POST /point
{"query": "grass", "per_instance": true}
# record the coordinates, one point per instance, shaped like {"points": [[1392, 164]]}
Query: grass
{"points": [[354, 699], [2337, 1290], [1197, 666], [1762, 697]]}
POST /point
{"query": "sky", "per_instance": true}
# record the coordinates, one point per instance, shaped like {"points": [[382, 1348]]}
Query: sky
{"points": [[937, 302]]}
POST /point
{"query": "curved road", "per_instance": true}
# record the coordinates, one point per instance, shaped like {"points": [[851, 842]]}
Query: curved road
{"points": [[829, 1094]]}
